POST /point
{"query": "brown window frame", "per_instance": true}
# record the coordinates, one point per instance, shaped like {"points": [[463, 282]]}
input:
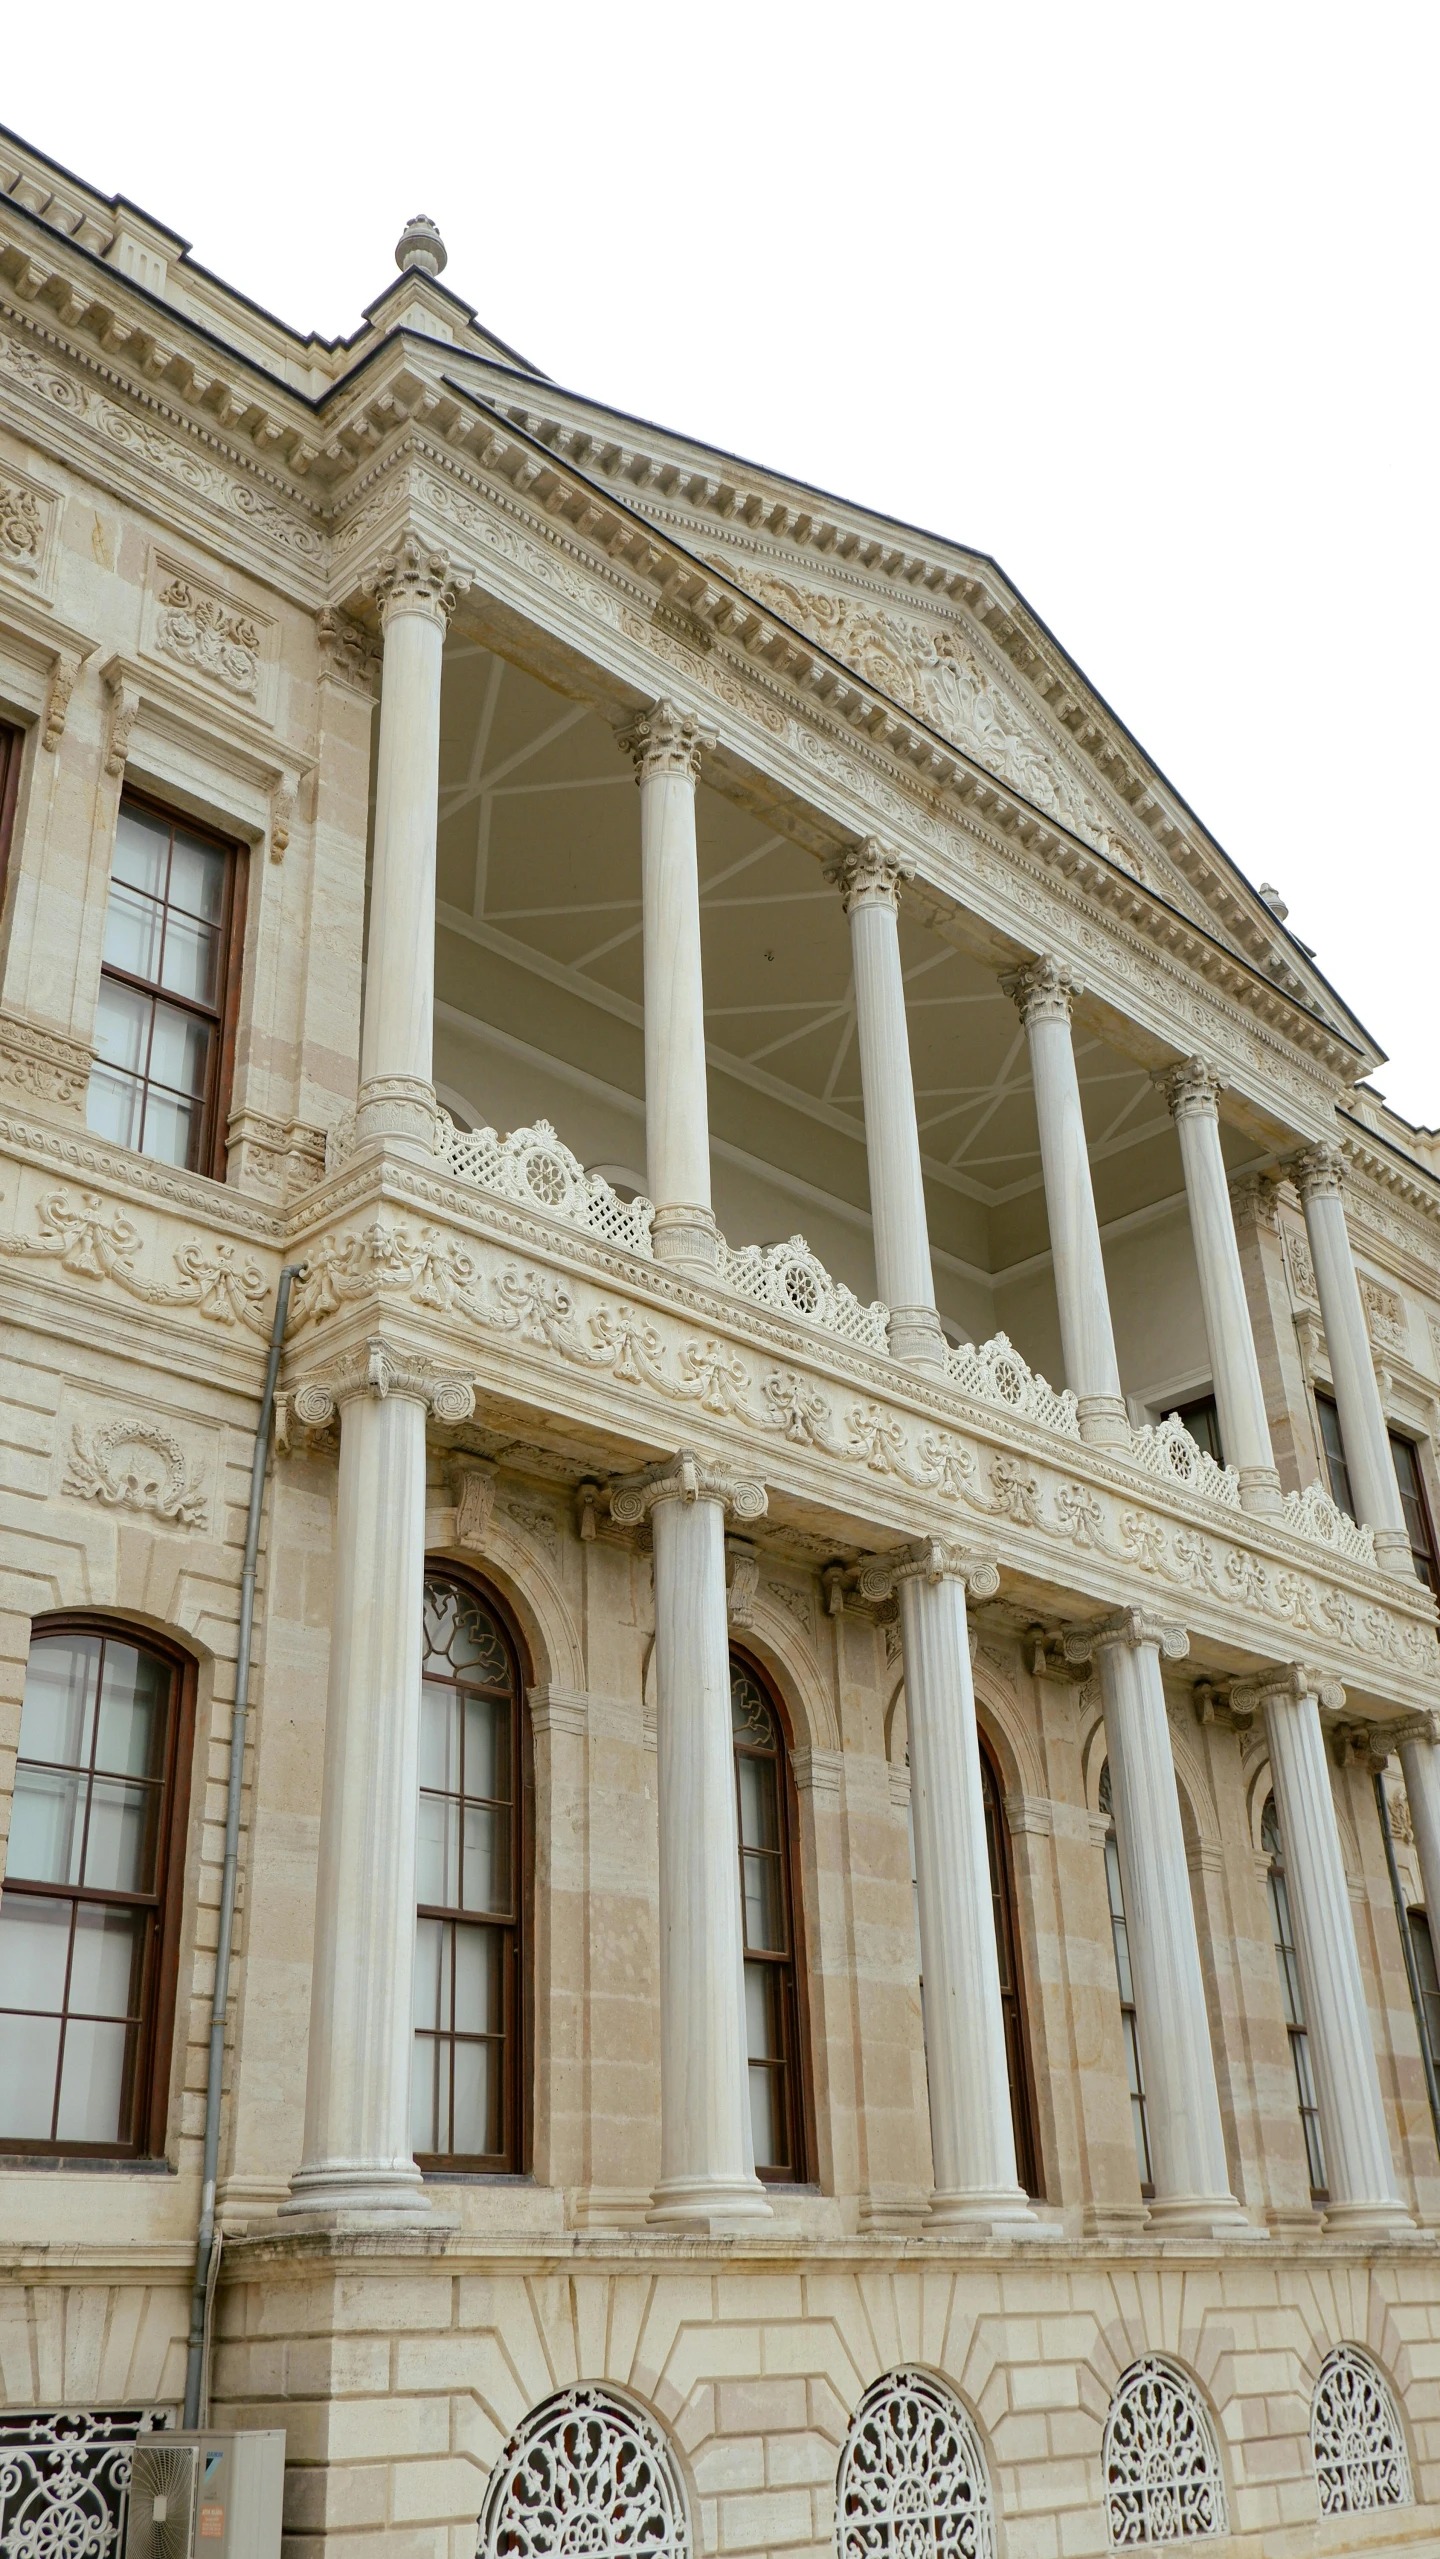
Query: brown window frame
{"points": [[1292, 1995], [1188, 1413], [1129, 2013], [513, 2159], [1029, 2164], [12, 743], [794, 2002], [1415, 1505], [212, 1149], [154, 2055]]}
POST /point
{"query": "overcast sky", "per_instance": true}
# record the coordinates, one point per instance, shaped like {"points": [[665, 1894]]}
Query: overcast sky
{"points": [[1139, 299]]}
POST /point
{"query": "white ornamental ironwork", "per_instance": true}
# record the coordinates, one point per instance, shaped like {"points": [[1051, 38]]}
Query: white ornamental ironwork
{"points": [[587, 2475], [913, 2482], [994, 1373], [1356, 2437], [1163, 2480], [1167, 1449], [793, 1279], [65, 2479]]}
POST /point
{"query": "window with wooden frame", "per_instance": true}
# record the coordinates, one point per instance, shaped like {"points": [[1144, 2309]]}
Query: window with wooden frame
{"points": [[1012, 1987], [90, 1912], [1429, 1976], [1327, 1413], [1416, 1508], [1292, 1999], [1201, 1418], [10, 745], [775, 2011], [1125, 1982], [470, 2064], [169, 989]]}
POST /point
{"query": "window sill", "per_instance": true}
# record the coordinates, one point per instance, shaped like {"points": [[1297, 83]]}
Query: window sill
{"points": [[13, 2162]]}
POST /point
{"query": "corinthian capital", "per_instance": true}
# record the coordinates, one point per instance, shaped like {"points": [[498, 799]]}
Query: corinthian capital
{"points": [[1318, 1173], [1044, 990], [664, 740], [414, 579], [930, 1559], [868, 874], [686, 1478], [1190, 1088], [1133, 1626], [373, 1368]]}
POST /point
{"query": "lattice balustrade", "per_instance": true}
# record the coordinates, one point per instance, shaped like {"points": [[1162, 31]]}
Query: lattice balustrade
{"points": [[1167, 1449], [1163, 2480], [586, 2473], [1312, 1514], [65, 2479], [994, 1373], [1356, 2437], [913, 2480], [536, 1167], [795, 1281]]}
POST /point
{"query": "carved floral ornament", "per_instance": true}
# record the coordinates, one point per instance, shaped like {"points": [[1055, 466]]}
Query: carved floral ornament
{"points": [[416, 578], [1044, 990], [868, 874], [139, 1466], [202, 631], [1191, 1089], [91, 1239], [665, 741], [22, 528]]}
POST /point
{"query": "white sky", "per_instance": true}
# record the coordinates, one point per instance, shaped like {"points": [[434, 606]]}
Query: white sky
{"points": [[1140, 299]]}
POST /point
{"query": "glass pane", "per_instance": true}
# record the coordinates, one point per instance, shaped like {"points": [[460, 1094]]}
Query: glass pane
{"points": [[115, 1106], [120, 1848], [179, 1051], [142, 849], [46, 1825], [479, 1955], [429, 2058], [486, 1883], [197, 878], [759, 1801], [1334, 1447], [765, 2117], [191, 959], [134, 1695], [171, 1130], [133, 929], [478, 2083], [29, 2052], [476, 1646], [487, 1748], [34, 1946], [1424, 1946], [439, 1738], [122, 1026], [762, 2040], [106, 1966], [432, 1973], [763, 1904], [60, 1685], [93, 2077], [437, 1852]]}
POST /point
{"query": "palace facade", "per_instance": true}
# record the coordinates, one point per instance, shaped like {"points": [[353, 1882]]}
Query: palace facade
{"points": [[809, 1933]]}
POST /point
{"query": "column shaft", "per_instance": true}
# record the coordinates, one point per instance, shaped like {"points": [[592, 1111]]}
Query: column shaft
{"points": [[971, 2128], [1347, 2080], [1239, 1396], [667, 750], [1420, 1762], [1347, 1339], [1044, 992], [869, 879], [1187, 2141]]}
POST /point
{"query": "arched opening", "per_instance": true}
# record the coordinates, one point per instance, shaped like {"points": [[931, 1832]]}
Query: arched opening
{"points": [[776, 2019]]}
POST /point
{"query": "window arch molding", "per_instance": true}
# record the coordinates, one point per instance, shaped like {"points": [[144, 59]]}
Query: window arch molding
{"points": [[97, 1857], [913, 2457], [1357, 2435], [593, 2454], [1163, 2472]]}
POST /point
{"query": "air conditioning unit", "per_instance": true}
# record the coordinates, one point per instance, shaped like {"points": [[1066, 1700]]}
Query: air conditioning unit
{"points": [[206, 2496]]}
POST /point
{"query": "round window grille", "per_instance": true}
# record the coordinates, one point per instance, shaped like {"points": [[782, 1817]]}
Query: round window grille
{"points": [[586, 2476], [1163, 2480], [802, 1288], [1356, 2437], [546, 1178], [913, 2480]]}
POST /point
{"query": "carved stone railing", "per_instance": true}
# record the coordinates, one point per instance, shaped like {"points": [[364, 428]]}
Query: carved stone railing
{"points": [[994, 1373], [1313, 1514], [793, 1279], [1167, 1449], [536, 1167]]}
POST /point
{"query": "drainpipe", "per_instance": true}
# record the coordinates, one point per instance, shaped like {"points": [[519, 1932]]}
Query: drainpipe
{"points": [[1407, 1949], [206, 2249]]}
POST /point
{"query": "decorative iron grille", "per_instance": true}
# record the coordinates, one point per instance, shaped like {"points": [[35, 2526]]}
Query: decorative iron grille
{"points": [[1163, 2480], [586, 2473], [913, 2482], [1356, 2437], [65, 2479]]}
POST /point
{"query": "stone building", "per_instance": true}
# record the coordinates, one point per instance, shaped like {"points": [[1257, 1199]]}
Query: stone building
{"points": [[811, 1949]]}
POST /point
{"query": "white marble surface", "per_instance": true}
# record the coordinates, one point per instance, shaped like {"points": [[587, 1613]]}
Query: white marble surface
{"points": [[677, 1116], [397, 1035], [1352, 1369], [892, 1138], [1234, 1367], [1082, 1298], [1420, 1763]]}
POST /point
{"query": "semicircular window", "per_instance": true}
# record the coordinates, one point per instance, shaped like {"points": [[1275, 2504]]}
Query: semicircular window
{"points": [[913, 2479], [585, 2472], [1357, 2438], [1163, 2480]]}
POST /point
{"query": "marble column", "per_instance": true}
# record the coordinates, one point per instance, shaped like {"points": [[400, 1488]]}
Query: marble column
{"points": [[1347, 2079], [1193, 1095], [358, 2157], [1317, 1175], [707, 2160], [667, 747], [1044, 991], [971, 2128], [416, 590], [1418, 1741], [1187, 2141], [868, 877]]}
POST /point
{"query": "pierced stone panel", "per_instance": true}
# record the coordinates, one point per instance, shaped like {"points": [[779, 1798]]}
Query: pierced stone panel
{"points": [[65, 2479], [913, 2480], [1356, 2437], [1163, 2480], [587, 2472]]}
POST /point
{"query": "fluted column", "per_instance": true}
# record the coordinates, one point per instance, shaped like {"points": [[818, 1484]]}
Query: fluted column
{"points": [[1193, 1095], [707, 2157], [1419, 1746], [1187, 2141], [667, 747], [416, 591], [971, 2128], [1318, 1178], [1044, 990], [358, 2156], [868, 877], [1347, 2079]]}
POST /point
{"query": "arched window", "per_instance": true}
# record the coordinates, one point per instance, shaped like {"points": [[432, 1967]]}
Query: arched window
{"points": [[1163, 2480], [587, 2471], [912, 2475], [90, 1914], [770, 1907], [1012, 1989], [1357, 2438], [1129, 2029], [1292, 1998], [468, 2074]]}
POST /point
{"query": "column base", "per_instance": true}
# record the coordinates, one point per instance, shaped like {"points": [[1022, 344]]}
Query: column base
{"points": [[1200, 2217], [1104, 1422], [365, 2196], [995, 2212], [396, 1112], [709, 2206], [916, 1336], [687, 1239], [1393, 1553], [1260, 1491], [1384, 2214]]}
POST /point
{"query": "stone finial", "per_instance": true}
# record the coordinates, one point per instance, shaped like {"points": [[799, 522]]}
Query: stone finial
{"points": [[420, 245]]}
